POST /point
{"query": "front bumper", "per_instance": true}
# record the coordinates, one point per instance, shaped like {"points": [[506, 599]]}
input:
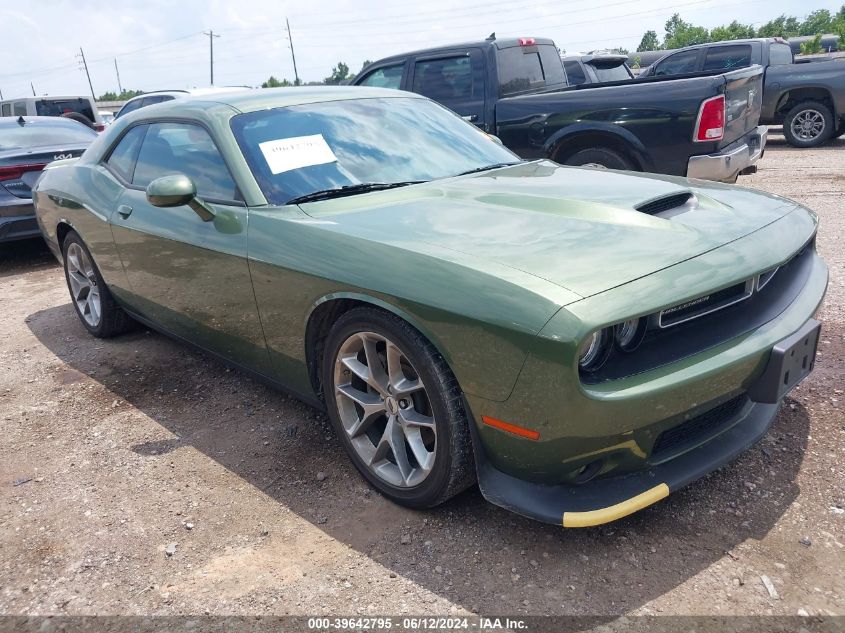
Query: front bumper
{"points": [[735, 159], [603, 500]]}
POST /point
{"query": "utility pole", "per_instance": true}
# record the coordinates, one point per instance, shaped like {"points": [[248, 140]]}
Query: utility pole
{"points": [[87, 74], [211, 37], [292, 54], [119, 87]]}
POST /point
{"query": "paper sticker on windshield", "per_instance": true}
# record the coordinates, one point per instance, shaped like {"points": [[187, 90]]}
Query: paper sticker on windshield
{"points": [[297, 152]]}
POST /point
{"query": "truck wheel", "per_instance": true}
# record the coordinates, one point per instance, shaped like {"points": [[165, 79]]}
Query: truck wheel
{"points": [[809, 124], [599, 158]]}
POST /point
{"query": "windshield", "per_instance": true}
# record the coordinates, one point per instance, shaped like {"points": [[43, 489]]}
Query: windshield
{"points": [[297, 150], [39, 134]]}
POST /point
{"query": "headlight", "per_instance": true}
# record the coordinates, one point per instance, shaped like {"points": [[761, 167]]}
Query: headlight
{"points": [[595, 350], [630, 334]]}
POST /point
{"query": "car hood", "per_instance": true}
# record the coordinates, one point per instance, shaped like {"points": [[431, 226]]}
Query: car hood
{"points": [[579, 228]]}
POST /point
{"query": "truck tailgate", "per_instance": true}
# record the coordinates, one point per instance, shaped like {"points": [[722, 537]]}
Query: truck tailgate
{"points": [[743, 102]]}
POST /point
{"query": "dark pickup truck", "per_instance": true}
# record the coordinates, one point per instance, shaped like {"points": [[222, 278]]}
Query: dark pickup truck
{"points": [[701, 127], [807, 99]]}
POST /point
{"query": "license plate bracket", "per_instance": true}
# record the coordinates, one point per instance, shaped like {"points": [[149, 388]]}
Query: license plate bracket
{"points": [[791, 361]]}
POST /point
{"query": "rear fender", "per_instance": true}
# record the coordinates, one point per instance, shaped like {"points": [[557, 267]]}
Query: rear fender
{"points": [[594, 134]]}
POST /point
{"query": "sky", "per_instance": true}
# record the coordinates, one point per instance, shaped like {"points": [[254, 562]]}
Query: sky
{"points": [[160, 44]]}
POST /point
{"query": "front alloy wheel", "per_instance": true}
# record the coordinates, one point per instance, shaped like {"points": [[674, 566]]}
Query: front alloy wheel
{"points": [[385, 410], [396, 408]]}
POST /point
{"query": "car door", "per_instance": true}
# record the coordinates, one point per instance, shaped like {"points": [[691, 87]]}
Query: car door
{"points": [[454, 79], [188, 276]]}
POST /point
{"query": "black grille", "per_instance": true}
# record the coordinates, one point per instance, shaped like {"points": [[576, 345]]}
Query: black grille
{"points": [[698, 427], [703, 305], [664, 204]]}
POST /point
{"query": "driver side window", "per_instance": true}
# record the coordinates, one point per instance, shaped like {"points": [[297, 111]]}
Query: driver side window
{"points": [[386, 77], [183, 148]]}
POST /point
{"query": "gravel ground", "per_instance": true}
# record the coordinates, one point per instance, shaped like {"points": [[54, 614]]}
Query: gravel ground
{"points": [[141, 477]]}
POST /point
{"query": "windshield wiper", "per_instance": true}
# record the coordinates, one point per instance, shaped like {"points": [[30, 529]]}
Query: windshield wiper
{"points": [[349, 190], [487, 168]]}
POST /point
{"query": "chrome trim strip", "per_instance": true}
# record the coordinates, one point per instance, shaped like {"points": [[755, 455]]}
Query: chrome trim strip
{"points": [[749, 290]]}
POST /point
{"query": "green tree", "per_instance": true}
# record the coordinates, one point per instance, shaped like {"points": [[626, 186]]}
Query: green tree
{"points": [[649, 42], [812, 46], [781, 26], [733, 31], [123, 96], [340, 74], [818, 22], [272, 82], [680, 33]]}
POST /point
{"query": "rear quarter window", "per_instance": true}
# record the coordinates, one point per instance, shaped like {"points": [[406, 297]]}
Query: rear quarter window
{"points": [[525, 68], [780, 55], [58, 107], [574, 73], [728, 57]]}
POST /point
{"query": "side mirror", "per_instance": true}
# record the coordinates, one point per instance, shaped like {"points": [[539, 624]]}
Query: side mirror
{"points": [[175, 191]]}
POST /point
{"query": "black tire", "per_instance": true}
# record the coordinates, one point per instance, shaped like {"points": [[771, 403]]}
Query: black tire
{"points": [[802, 109], [454, 467], [601, 157], [113, 320]]}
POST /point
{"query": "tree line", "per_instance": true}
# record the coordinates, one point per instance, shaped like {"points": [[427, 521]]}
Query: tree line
{"points": [[679, 33]]}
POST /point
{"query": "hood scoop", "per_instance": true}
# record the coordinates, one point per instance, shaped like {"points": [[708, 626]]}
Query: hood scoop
{"points": [[669, 206]]}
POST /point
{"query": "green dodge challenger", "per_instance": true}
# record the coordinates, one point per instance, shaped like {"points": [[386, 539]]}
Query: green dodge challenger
{"points": [[581, 342]]}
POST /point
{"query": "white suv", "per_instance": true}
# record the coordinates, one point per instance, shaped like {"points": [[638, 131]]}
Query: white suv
{"points": [[157, 96]]}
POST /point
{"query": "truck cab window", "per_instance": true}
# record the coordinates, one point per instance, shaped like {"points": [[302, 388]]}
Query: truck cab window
{"points": [[678, 64], [728, 57], [780, 55], [445, 79], [385, 77]]}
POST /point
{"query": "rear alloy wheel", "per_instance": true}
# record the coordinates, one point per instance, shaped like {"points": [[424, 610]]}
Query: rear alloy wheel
{"points": [[808, 124], [91, 298], [599, 158], [397, 408]]}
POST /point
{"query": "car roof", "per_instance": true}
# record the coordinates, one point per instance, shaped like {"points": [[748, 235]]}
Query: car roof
{"points": [[46, 97], [189, 91], [50, 121], [498, 43], [265, 98]]}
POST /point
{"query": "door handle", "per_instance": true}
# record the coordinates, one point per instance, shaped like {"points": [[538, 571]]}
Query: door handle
{"points": [[124, 211]]}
